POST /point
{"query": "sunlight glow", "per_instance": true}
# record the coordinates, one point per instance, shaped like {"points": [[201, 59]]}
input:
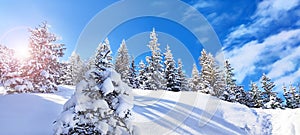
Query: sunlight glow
{"points": [[22, 52], [17, 39]]}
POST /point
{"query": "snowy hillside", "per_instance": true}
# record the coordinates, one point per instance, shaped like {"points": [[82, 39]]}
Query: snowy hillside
{"points": [[156, 112]]}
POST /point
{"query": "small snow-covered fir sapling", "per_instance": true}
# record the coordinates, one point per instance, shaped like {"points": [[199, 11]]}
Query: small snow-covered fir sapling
{"points": [[142, 76], [101, 104], [194, 82]]}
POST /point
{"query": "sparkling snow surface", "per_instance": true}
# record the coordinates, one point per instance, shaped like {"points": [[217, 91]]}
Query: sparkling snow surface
{"points": [[156, 112]]}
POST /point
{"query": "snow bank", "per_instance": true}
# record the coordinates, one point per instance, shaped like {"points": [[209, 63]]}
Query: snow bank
{"points": [[164, 112], [31, 114], [156, 112], [284, 122]]}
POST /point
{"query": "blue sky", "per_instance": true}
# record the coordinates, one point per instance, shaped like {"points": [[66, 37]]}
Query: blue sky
{"points": [[257, 36]]}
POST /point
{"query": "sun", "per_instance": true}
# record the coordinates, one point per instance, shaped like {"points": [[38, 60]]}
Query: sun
{"points": [[17, 39], [22, 52]]}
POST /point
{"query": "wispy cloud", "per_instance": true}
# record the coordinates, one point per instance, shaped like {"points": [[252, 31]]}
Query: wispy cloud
{"points": [[202, 4], [190, 12], [268, 13], [286, 70], [246, 59], [260, 45]]}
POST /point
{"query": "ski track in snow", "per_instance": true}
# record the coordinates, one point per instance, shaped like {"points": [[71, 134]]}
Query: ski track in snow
{"points": [[156, 112]]}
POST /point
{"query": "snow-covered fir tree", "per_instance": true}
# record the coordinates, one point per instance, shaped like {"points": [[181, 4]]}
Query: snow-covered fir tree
{"points": [[103, 51], [219, 83], [206, 71], [270, 99], [142, 76], [212, 77], [72, 71], [65, 74], [290, 97], [194, 82], [89, 63], [255, 96], [183, 82], [77, 68], [229, 93], [44, 66], [12, 72], [170, 74], [122, 62], [241, 95], [101, 104], [297, 96], [7, 61], [155, 66], [132, 76]]}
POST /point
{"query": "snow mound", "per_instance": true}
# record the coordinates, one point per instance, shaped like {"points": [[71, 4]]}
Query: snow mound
{"points": [[31, 114], [165, 112], [156, 112]]}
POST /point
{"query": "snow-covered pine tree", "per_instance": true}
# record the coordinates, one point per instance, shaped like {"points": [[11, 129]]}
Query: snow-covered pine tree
{"points": [[43, 66], [122, 62], [219, 83], [103, 51], [231, 87], [297, 96], [255, 96], [194, 82], [241, 95], [206, 71], [142, 76], [229, 75], [12, 72], [290, 96], [65, 74], [77, 68], [183, 82], [7, 62], [101, 104], [211, 77], [132, 76], [89, 63], [155, 66], [270, 99], [16, 82], [171, 74]]}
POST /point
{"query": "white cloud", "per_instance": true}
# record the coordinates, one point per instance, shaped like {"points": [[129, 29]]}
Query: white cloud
{"points": [[192, 12], [266, 13], [288, 79], [285, 70], [202, 4], [244, 59], [273, 8]]}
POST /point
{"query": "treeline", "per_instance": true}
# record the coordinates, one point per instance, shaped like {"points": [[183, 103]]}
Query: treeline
{"points": [[161, 71], [42, 72]]}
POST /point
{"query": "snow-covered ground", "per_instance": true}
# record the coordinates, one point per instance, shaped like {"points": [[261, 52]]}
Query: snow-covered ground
{"points": [[156, 112]]}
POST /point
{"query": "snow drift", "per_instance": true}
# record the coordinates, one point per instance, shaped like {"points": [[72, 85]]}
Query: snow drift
{"points": [[156, 112]]}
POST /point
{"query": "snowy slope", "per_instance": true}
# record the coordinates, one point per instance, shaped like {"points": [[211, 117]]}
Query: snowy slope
{"points": [[164, 112], [284, 122], [156, 112], [31, 114]]}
